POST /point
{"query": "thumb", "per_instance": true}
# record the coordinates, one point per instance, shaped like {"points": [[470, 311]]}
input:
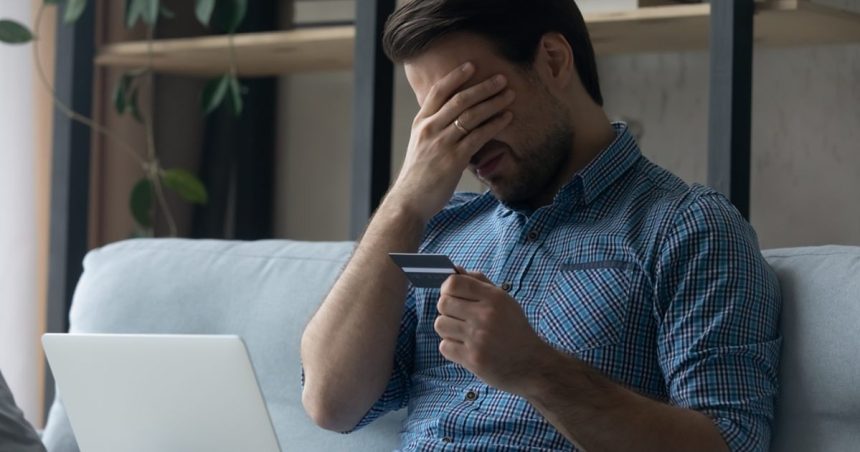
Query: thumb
{"points": [[477, 275]]}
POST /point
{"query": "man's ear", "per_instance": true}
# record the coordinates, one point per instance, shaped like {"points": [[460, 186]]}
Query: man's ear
{"points": [[555, 60]]}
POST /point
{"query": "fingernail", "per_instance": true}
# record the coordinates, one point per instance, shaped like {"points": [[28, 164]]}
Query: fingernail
{"points": [[466, 67], [499, 79]]}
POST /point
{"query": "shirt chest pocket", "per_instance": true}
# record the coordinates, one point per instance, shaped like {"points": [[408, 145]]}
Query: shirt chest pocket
{"points": [[586, 306]]}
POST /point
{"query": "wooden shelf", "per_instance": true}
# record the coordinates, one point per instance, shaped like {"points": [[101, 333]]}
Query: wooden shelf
{"points": [[648, 29], [257, 54]]}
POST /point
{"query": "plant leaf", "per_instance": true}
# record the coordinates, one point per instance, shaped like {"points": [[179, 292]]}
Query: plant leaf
{"points": [[229, 14], [134, 106], [235, 96], [134, 10], [204, 10], [74, 10], [214, 93], [120, 93], [141, 202], [12, 32], [150, 11], [166, 13], [132, 13], [187, 185]]}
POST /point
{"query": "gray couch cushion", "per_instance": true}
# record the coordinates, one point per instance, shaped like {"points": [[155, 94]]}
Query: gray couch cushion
{"points": [[819, 403], [263, 291]]}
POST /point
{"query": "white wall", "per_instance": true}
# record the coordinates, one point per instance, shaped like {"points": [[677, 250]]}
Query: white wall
{"points": [[20, 324], [806, 133]]}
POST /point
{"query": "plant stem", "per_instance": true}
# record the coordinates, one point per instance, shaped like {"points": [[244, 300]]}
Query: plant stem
{"points": [[66, 110], [155, 174], [149, 166]]}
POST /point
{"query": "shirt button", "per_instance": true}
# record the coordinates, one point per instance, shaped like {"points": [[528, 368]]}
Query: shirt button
{"points": [[533, 235], [471, 396], [507, 286], [447, 439]]}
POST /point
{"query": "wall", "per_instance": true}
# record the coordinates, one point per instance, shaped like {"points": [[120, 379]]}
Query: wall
{"points": [[806, 168], [806, 109], [25, 115]]}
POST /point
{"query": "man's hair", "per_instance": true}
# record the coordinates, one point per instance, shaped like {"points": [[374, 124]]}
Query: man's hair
{"points": [[515, 27]]}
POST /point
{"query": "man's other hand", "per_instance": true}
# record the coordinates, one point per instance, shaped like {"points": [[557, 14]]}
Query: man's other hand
{"points": [[439, 150]]}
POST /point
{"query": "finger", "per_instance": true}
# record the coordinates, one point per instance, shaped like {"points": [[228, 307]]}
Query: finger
{"points": [[466, 288], [467, 99], [453, 351], [480, 277], [473, 142], [481, 113], [453, 307], [445, 88], [450, 328]]}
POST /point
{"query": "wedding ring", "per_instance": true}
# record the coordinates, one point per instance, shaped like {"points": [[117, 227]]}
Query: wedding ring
{"points": [[462, 128]]}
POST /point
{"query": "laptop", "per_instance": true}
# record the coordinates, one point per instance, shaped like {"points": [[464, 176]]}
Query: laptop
{"points": [[166, 393]]}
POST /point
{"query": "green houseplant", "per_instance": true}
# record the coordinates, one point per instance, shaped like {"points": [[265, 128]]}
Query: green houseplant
{"points": [[147, 198]]}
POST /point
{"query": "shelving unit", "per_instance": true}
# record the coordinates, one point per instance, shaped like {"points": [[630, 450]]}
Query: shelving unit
{"points": [[668, 28], [665, 28]]}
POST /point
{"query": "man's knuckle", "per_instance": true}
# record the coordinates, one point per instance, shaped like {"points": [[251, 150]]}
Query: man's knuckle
{"points": [[467, 118], [455, 284], [480, 336], [478, 357], [460, 101], [434, 90], [484, 317], [443, 347], [425, 130], [442, 304]]}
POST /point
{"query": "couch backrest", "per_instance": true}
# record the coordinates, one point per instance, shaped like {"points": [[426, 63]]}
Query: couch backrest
{"points": [[819, 403], [266, 291], [263, 291]]}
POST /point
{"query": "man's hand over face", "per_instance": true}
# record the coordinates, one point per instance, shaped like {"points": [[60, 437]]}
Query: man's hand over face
{"points": [[440, 150], [484, 330]]}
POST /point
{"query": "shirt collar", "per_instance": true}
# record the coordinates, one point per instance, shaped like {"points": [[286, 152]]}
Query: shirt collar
{"points": [[604, 170], [591, 181]]}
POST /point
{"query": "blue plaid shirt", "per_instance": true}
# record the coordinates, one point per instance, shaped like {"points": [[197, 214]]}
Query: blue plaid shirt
{"points": [[657, 284]]}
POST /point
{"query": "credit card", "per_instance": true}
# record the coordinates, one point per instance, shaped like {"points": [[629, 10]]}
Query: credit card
{"points": [[427, 271]]}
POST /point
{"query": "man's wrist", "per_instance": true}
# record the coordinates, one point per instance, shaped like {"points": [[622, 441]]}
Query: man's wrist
{"points": [[556, 374], [397, 206], [546, 365], [394, 209]]}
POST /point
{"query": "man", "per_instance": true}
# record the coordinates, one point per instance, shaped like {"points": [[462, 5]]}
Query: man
{"points": [[16, 434], [607, 305]]}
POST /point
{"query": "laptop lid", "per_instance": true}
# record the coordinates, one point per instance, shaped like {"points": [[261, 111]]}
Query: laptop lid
{"points": [[144, 393]]}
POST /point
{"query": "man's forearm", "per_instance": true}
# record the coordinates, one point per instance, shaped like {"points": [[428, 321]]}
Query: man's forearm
{"points": [[347, 347], [597, 414]]}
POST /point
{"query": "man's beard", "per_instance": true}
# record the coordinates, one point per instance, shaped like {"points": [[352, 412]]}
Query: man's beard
{"points": [[538, 168]]}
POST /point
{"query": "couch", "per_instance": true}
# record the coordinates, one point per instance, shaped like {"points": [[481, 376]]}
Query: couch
{"points": [[266, 291]]}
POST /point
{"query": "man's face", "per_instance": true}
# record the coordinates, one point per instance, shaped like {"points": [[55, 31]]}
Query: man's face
{"points": [[523, 164]]}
